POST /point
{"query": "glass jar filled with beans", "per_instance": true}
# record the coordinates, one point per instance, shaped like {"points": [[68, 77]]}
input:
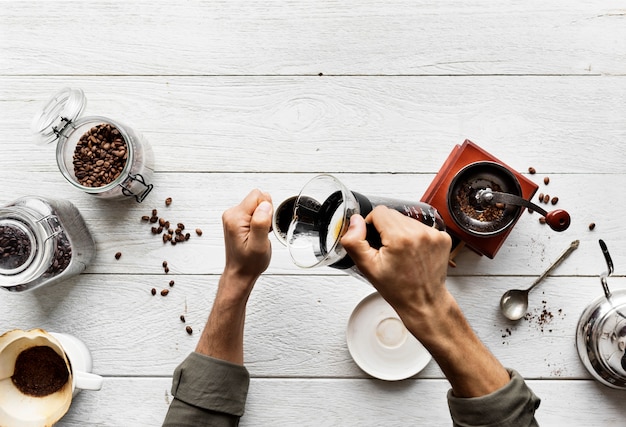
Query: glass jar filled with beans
{"points": [[97, 155], [42, 241]]}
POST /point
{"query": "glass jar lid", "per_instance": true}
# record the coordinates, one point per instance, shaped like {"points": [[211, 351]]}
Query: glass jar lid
{"points": [[63, 108]]}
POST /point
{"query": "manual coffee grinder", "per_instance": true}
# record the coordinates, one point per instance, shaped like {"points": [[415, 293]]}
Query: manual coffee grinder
{"points": [[480, 199]]}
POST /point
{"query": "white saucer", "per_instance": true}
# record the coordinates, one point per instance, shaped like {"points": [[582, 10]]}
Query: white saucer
{"points": [[380, 344]]}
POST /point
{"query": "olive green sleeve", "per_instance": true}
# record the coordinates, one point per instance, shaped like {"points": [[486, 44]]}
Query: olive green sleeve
{"points": [[513, 405], [207, 392]]}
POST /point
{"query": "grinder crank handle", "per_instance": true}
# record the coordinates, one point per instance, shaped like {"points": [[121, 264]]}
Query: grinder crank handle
{"points": [[558, 219]]}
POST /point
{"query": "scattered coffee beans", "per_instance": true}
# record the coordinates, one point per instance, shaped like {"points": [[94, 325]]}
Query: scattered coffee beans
{"points": [[99, 156], [531, 170], [171, 283], [153, 291], [546, 180], [118, 255], [592, 226], [198, 232], [168, 201], [554, 200], [546, 198], [164, 292], [189, 330], [540, 197]]}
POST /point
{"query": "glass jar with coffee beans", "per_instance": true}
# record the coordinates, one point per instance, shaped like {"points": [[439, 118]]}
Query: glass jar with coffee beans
{"points": [[42, 241], [97, 155]]}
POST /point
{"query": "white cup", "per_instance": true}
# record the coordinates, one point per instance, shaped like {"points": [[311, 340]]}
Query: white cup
{"points": [[24, 410]]}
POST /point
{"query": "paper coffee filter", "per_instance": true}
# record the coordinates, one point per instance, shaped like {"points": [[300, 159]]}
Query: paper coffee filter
{"points": [[16, 408]]}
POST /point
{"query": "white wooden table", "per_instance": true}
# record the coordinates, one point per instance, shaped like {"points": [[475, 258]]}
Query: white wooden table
{"points": [[234, 95]]}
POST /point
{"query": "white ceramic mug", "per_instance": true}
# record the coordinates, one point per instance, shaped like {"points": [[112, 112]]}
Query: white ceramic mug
{"points": [[20, 409]]}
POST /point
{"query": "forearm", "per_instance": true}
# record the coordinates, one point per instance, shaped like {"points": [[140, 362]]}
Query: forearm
{"points": [[468, 365], [222, 338]]}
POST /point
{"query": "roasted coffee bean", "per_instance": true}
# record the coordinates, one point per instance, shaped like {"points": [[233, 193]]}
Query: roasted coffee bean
{"points": [[159, 230], [173, 242], [592, 226], [189, 330], [145, 218], [154, 219], [181, 225], [155, 212], [546, 198], [118, 255], [532, 170], [166, 224], [182, 318], [554, 200], [99, 156], [161, 222], [164, 292], [167, 238], [546, 180], [153, 291], [168, 201], [198, 232], [540, 197], [542, 220], [164, 264], [187, 236], [178, 230], [154, 230], [171, 283], [166, 269]]}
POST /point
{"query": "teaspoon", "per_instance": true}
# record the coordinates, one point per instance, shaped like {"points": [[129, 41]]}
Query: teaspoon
{"points": [[514, 302]]}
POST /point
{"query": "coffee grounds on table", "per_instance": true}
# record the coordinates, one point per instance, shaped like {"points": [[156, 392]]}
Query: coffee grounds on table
{"points": [[39, 371]]}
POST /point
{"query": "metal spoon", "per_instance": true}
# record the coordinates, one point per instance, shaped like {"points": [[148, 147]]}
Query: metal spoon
{"points": [[514, 302]]}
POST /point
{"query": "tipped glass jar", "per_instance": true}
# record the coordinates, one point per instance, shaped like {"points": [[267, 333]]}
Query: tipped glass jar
{"points": [[42, 241], [97, 155]]}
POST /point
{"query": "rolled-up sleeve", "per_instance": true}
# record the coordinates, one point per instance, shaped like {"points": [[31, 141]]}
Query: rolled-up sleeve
{"points": [[207, 392], [513, 405]]}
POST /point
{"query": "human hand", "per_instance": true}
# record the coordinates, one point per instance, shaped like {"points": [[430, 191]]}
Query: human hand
{"points": [[248, 248], [409, 270]]}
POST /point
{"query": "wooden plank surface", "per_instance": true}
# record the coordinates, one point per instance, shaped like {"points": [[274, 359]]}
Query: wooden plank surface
{"points": [[230, 97]]}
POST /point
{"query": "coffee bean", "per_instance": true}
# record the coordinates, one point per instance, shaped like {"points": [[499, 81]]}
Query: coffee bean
{"points": [[189, 330], [542, 220], [198, 232], [118, 255], [166, 269], [164, 264], [554, 200], [171, 283], [164, 292], [182, 318], [181, 225], [162, 222], [154, 219], [155, 212], [168, 201], [592, 226], [167, 238], [145, 218], [532, 170], [546, 198], [546, 180], [154, 230], [187, 236], [540, 197], [153, 291]]}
